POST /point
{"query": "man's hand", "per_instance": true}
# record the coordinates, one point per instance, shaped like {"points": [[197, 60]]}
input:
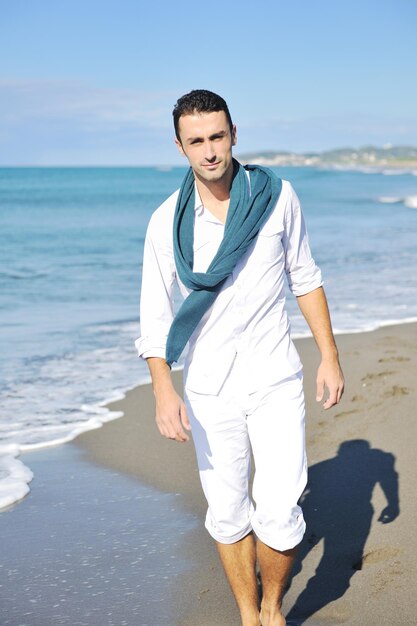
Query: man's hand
{"points": [[389, 514], [313, 306], [329, 375], [171, 415]]}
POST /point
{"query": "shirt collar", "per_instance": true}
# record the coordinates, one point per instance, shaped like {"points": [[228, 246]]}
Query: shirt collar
{"points": [[198, 205], [201, 211]]}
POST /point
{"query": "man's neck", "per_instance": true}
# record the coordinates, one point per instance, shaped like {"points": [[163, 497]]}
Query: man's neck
{"points": [[215, 196]]}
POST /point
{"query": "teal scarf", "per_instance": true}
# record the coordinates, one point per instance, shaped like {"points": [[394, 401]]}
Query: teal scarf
{"points": [[248, 211]]}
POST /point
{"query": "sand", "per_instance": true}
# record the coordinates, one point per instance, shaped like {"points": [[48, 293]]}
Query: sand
{"points": [[353, 569]]}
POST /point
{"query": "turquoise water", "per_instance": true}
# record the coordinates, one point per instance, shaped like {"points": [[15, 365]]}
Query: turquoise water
{"points": [[71, 242]]}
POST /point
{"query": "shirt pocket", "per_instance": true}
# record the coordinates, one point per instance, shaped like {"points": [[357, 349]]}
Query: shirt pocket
{"points": [[269, 247]]}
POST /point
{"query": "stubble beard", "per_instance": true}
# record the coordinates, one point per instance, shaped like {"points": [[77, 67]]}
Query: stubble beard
{"points": [[214, 176]]}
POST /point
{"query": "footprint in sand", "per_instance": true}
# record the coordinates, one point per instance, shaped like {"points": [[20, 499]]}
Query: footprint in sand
{"points": [[376, 556], [344, 413], [395, 359], [396, 390], [388, 573], [375, 376]]}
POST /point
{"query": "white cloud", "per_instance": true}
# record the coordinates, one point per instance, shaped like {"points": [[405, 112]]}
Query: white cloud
{"points": [[70, 122], [83, 105]]}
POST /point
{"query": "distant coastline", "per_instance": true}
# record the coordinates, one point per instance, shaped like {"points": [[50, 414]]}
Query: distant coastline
{"points": [[367, 158], [388, 156]]}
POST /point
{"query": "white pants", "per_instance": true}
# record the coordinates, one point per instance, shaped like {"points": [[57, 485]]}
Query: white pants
{"points": [[225, 427]]}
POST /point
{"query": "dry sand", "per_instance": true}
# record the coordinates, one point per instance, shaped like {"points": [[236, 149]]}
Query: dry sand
{"points": [[353, 569]]}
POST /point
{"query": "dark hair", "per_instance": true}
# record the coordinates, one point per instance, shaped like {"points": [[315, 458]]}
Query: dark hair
{"points": [[199, 101]]}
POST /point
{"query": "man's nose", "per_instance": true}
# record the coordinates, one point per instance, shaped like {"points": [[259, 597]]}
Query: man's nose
{"points": [[210, 153]]}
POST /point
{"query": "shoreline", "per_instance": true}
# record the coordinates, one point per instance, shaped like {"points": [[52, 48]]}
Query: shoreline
{"points": [[21, 475], [112, 463]]}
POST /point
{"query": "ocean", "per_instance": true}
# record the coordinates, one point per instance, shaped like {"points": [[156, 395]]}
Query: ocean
{"points": [[70, 269]]}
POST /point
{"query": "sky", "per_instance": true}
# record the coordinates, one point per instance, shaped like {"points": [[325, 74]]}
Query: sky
{"points": [[93, 82]]}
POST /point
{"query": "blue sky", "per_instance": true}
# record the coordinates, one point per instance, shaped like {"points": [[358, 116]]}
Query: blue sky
{"points": [[88, 82]]}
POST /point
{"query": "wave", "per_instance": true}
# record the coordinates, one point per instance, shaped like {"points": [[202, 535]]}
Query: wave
{"points": [[397, 171], [408, 201], [368, 169], [14, 477], [411, 202], [23, 274], [390, 199]]}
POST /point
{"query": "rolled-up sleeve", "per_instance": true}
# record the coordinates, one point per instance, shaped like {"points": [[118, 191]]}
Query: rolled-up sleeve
{"points": [[156, 298], [302, 272]]}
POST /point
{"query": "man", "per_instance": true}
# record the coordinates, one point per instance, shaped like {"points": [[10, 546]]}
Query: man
{"points": [[228, 237]]}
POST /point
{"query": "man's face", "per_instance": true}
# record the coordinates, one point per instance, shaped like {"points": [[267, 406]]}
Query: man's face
{"points": [[207, 143]]}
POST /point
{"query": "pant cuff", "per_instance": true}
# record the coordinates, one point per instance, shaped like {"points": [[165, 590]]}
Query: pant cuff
{"points": [[230, 538], [281, 541]]}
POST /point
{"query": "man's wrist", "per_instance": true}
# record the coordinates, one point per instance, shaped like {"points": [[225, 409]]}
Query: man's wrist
{"points": [[160, 373], [162, 385], [330, 355]]}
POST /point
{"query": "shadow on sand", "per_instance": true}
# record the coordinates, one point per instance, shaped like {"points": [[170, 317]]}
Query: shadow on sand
{"points": [[337, 509]]}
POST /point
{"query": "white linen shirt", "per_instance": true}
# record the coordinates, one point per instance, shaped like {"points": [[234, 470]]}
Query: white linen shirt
{"points": [[248, 319]]}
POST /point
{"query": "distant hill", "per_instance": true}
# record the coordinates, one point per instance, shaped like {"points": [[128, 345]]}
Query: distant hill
{"points": [[367, 156]]}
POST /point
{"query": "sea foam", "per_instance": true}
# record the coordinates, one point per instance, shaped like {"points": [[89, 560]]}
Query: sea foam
{"points": [[411, 202], [408, 201], [14, 477]]}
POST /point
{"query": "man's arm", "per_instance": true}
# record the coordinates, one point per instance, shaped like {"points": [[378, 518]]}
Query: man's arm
{"points": [[388, 480], [171, 415], [304, 280], [156, 315], [313, 306]]}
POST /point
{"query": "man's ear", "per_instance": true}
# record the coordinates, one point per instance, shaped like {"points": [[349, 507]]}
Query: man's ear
{"points": [[179, 146], [234, 135]]}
